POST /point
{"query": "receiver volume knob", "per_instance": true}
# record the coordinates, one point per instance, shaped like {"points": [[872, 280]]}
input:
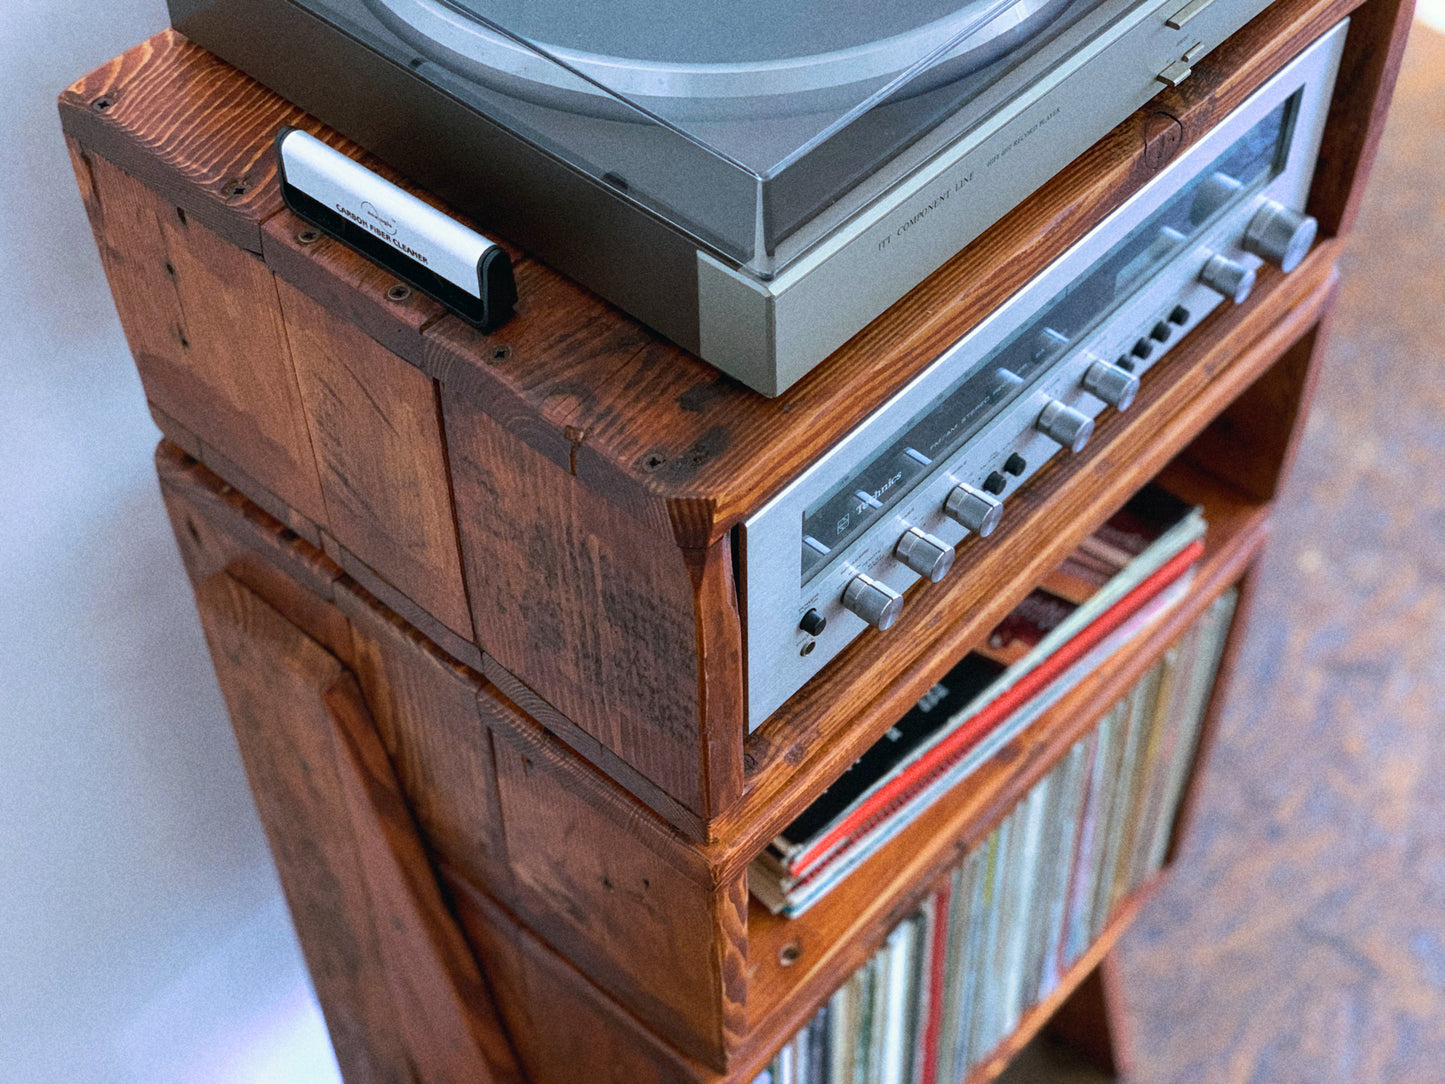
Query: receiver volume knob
{"points": [[876, 603], [1114, 385], [1280, 235], [1228, 277], [1065, 425], [928, 556], [973, 508]]}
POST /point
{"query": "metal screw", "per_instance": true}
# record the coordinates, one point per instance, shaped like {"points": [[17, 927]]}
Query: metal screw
{"points": [[789, 954], [502, 353], [308, 237], [103, 103], [236, 186], [399, 292], [652, 461]]}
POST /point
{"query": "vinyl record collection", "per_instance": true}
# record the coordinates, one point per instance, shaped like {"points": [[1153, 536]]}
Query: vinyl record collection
{"points": [[1123, 578], [955, 978]]}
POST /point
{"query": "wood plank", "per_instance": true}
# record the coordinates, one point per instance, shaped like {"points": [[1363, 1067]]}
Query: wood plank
{"points": [[453, 1033], [583, 603], [194, 130], [398, 984], [201, 319], [1374, 48], [375, 428], [217, 529], [567, 1030], [275, 682], [851, 702], [618, 893], [1091, 1020], [425, 708]]}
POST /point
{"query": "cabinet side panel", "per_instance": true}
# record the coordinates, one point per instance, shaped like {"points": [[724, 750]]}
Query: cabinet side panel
{"points": [[613, 889], [274, 680], [567, 1031], [203, 323], [376, 431], [425, 706], [580, 601]]}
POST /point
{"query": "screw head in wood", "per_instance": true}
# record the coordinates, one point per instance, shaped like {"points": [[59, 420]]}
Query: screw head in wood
{"points": [[103, 103], [399, 292], [308, 237]]}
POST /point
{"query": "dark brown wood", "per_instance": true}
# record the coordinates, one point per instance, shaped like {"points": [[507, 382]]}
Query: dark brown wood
{"points": [[375, 428], [425, 707], [567, 1030], [1373, 51], [159, 112], [583, 602], [403, 997], [1253, 442], [1090, 1020], [201, 319], [620, 895]]}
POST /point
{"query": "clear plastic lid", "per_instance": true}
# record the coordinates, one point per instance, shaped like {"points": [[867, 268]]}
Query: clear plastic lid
{"points": [[741, 122]]}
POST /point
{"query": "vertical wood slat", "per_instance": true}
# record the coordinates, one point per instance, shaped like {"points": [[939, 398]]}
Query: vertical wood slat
{"points": [[376, 430], [404, 999], [202, 321], [578, 598]]}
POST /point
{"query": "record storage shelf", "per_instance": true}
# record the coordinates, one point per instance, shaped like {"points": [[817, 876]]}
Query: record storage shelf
{"points": [[166, 127]]}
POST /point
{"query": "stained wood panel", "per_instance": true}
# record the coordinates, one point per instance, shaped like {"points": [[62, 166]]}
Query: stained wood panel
{"points": [[375, 428], [621, 897], [578, 599], [202, 321]]}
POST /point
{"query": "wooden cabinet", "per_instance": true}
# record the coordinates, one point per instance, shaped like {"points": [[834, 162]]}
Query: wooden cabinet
{"points": [[471, 596]]}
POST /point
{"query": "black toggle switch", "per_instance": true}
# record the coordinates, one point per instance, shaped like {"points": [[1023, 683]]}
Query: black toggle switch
{"points": [[1015, 464], [1126, 363], [995, 483], [1160, 332], [813, 623], [1179, 316], [1142, 349]]}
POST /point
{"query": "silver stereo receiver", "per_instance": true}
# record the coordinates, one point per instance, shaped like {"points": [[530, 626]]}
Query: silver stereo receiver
{"points": [[834, 552], [756, 179]]}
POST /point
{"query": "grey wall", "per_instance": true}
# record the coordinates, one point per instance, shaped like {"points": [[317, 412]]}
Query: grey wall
{"points": [[142, 933]]}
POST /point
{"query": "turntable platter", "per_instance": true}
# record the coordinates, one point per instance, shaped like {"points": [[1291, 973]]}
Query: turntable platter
{"points": [[689, 62]]}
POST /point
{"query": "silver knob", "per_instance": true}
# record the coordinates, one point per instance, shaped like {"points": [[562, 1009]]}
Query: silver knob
{"points": [[1114, 385], [1065, 425], [876, 603], [973, 508], [1228, 277], [1280, 235], [928, 556]]}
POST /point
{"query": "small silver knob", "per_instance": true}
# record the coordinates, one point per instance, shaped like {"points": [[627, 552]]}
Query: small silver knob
{"points": [[876, 603], [1228, 277], [1065, 425], [1280, 235], [1114, 385], [973, 508], [928, 556]]}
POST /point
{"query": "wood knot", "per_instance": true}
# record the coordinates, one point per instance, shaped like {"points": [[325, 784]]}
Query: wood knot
{"points": [[1163, 136]]}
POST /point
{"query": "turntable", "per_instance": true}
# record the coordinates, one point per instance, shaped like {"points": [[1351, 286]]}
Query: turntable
{"points": [[757, 180]]}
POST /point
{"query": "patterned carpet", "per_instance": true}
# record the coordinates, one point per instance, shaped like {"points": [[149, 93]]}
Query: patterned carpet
{"points": [[1302, 938]]}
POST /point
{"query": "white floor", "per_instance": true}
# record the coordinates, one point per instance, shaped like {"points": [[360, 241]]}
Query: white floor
{"points": [[143, 939]]}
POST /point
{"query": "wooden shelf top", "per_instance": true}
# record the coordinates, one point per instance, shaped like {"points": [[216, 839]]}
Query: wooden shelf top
{"points": [[610, 401]]}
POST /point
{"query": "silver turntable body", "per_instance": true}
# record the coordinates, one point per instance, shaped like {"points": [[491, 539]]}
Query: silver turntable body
{"points": [[884, 510], [757, 184]]}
